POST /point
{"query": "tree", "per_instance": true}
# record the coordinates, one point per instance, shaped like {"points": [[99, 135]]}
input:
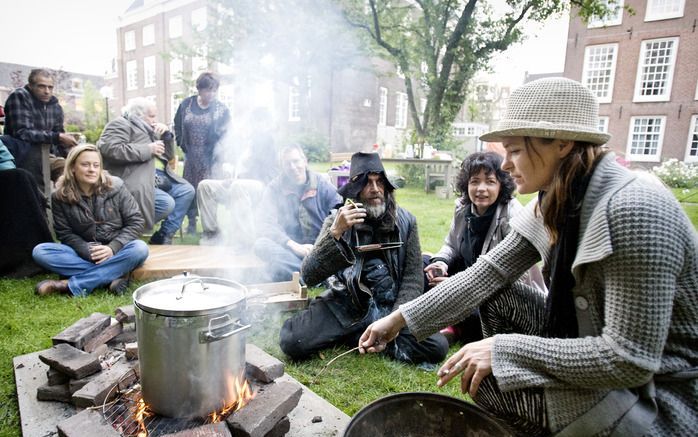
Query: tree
{"points": [[439, 45]]}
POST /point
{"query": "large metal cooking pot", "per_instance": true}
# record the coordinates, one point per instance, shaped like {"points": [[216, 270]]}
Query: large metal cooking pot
{"points": [[191, 344], [423, 415]]}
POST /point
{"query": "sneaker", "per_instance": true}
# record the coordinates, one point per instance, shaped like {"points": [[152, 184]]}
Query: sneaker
{"points": [[119, 285], [51, 286], [160, 238]]}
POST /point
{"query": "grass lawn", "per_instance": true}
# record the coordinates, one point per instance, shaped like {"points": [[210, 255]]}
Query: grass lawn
{"points": [[28, 323]]}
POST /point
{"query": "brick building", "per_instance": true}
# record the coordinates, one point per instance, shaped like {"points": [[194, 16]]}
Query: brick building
{"points": [[352, 108], [69, 86], [643, 68]]}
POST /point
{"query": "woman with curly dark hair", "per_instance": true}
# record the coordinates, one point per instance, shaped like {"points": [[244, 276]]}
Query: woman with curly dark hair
{"points": [[480, 221]]}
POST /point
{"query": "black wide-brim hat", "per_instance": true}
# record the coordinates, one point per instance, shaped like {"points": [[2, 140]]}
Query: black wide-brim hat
{"points": [[362, 164]]}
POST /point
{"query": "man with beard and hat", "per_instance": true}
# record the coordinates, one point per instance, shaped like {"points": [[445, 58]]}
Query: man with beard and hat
{"points": [[368, 252]]}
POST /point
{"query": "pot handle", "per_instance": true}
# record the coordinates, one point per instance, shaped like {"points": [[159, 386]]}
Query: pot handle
{"points": [[214, 334], [203, 285]]}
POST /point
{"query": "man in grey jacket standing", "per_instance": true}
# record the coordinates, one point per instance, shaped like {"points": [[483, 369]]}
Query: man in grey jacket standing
{"points": [[368, 251], [138, 149]]}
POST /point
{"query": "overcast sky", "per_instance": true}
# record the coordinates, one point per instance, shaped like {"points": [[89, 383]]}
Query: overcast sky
{"points": [[80, 36]]}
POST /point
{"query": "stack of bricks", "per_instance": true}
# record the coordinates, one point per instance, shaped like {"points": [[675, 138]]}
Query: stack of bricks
{"points": [[96, 358]]}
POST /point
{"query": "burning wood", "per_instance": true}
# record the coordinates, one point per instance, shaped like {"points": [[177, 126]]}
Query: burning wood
{"points": [[241, 392]]}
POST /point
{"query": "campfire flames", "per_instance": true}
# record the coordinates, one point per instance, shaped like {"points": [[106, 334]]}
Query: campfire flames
{"points": [[240, 390], [142, 412], [140, 418]]}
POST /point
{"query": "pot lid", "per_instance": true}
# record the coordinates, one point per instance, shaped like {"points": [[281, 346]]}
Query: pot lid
{"points": [[189, 296]]}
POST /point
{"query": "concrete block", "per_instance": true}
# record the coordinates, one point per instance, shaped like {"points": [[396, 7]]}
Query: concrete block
{"points": [[105, 386], [219, 429], [70, 361], [55, 377], [281, 428], [103, 337], [127, 335], [265, 410], [59, 392], [87, 423], [83, 330], [131, 351], [125, 314], [260, 365]]}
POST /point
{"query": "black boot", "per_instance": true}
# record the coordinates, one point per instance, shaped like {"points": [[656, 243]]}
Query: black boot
{"points": [[160, 238]]}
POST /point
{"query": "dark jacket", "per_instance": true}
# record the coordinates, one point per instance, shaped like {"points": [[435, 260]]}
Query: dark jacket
{"points": [[29, 119], [125, 147], [221, 116], [339, 257], [286, 215], [116, 220]]}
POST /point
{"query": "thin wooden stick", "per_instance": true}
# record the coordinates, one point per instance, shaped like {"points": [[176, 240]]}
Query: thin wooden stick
{"points": [[332, 361]]}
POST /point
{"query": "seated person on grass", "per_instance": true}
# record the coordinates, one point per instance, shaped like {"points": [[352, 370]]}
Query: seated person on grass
{"points": [[98, 223], [291, 213], [368, 252]]}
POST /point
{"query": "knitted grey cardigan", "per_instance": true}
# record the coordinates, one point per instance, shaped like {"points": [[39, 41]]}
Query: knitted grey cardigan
{"points": [[636, 273]]}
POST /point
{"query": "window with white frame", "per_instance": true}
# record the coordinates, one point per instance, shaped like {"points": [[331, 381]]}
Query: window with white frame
{"points": [[175, 100], [199, 64], [294, 97], [130, 40], [176, 68], [655, 70], [645, 138], [612, 19], [153, 99], [663, 9], [692, 146], [600, 70], [383, 107], [148, 71], [148, 35], [174, 28], [132, 75], [401, 110], [198, 19], [603, 124]]}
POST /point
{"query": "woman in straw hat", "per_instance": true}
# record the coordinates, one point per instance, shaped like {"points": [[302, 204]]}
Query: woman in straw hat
{"points": [[611, 349], [98, 223]]}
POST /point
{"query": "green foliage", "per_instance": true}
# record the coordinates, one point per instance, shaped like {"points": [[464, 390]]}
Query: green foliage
{"points": [[28, 322], [315, 145], [677, 174]]}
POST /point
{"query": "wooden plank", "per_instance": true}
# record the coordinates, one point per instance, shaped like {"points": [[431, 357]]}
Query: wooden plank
{"points": [[166, 261]]}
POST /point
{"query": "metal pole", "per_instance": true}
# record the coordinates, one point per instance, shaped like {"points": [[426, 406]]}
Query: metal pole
{"points": [[106, 108]]}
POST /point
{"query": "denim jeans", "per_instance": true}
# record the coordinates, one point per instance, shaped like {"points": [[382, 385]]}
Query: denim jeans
{"points": [[84, 275], [173, 206], [281, 261]]}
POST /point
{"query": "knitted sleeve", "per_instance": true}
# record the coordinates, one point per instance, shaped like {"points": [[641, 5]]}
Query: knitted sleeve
{"points": [[633, 292], [453, 299]]}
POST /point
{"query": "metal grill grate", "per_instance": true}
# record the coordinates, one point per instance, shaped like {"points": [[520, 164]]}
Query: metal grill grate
{"points": [[122, 415]]}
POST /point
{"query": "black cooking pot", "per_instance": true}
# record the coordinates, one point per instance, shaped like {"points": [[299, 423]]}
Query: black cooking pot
{"points": [[423, 415]]}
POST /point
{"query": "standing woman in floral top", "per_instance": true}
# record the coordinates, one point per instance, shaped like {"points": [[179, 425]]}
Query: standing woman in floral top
{"points": [[199, 124], [611, 349]]}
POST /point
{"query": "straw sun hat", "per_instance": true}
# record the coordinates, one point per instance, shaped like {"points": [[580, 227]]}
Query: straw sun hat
{"points": [[551, 108]]}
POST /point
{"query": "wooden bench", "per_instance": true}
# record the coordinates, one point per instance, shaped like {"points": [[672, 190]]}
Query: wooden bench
{"points": [[340, 156]]}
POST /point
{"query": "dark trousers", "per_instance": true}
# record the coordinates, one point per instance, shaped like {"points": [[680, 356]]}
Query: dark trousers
{"points": [[317, 328]]}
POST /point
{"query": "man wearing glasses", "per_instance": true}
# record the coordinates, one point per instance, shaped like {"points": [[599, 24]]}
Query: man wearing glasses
{"points": [[368, 253]]}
